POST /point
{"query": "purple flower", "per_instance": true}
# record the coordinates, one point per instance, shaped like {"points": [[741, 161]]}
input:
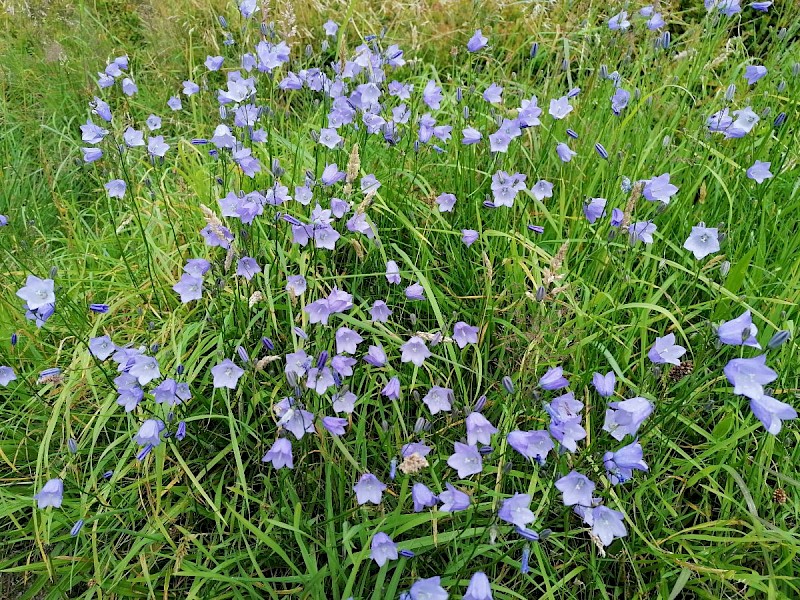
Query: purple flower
{"points": [[621, 464], [189, 287], [554, 379], [330, 27], [175, 103], [516, 510], [226, 374], [604, 384], [619, 22], [470, 135], [576, 489], [655, 22], [129, 87], [296, 285], [564, 152], [392, 389], [606, 523], [754, 72], [594, 209], [479, 588], [422, 497], [247, 267], [7, 375], [415, 292], [347, 340], [368, 489], [375, 356], [759, 171], [156, 146], [665, 350], [659, 189], [37, 293], [477, 42], [560, 108], [446, 202], [329, 138], [414, 350], [739, 331], [761, 6], [280, 454], [619, 101], [392, 272], [51, 494], [91, 154], [133, 137], [702, 241], [432, 95], [214, 63], [115, 188], [145, 369], [542, 189], [771, 412], [642, 231], [453, 500], [464, 334], [153, 122], [531, 444], [344, 402], [438, 399], [382, 549], [466, 460], [479, 429], [334, 425], [749, 376], [428, 589], [616, 217], [493, 94], [625, 417], [149, 433], [469, 236], [379, 312]]}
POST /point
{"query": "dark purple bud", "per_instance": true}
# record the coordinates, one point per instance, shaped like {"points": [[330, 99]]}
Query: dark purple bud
{"points": [[779, 120], [573, 92], [264, 29], [223, 112], [420, 425], [571, 133], [393, 469], [523, 565], [300, 333], [485, 450], [181, 432], [53, 272], [508, 383], [199, 141], [730, 92], [416, 146], [276, 169], [528, 534], [292, 220], [459, 94], [180, 369], [489, 204], [778, 339], [76, 529], [536, 228], [601, 150], [108, 474], [337, 379], [213, 154], [480, 404], [781, 86], [144, 452], [544, 534], [222, 22], [534, 49], [323, 358], [406, 554], [665, 40], [14, 339], [540, 292], [268, 343], [72, 445], [603, 72]]}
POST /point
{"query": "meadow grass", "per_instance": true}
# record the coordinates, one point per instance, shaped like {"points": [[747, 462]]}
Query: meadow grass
{"points": [[204, 517]]}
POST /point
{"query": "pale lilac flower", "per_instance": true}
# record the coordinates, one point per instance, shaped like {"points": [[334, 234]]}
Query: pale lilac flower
{"points": [[37, 292], [428, 589], [594, 209], [619, 22], [702, 241], [382, 549], [516, 510], [247, 267], [621, 464], [133, 137], [754, 72], [7, 375], [761, 5], [189, 287], [466, 460], [625, 417], [554, 379], [347, 341], [469, 236], [129, 87], [51, 494], [560, 108], [619, 100], [214, 63], [739, 331], [759, 171], [493, 94], [446, 202], [422, 497], [329, 138], [379, 312], [153, 122], [344, 402], [564, 152], [470, 135], [771, 412], [368, 489], [477, 42], [665, 350], [479, 588], [296, 285], [479, 429], [432, 95], [464, 334], [343, 365], [604, 384], [749, 376], [334, 425], [659, 189], [655, 22], [392, 272], [542, 189], [392, 389], [280, 454], [531, 444], [438, 399], [115, 188], [226, 374], [606, 523], [145, 369], [330, 27], [576, 489], [453, 500], [415, 292], [174, 103], [156, 146], [149, 433], [642, 231]]}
